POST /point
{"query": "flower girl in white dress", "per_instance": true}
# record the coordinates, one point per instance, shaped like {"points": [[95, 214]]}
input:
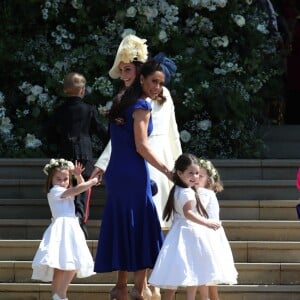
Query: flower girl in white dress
{"points": [[63, 251], [208, 185], [191, 256]]}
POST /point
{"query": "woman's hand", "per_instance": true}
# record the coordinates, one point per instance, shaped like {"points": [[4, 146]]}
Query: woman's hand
{"points": [[97, 173], [169, 174]]}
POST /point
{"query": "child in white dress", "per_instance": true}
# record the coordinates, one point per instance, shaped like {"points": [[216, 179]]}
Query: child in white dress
{"points": [[190, 256], [208, 185], [63, 251]]}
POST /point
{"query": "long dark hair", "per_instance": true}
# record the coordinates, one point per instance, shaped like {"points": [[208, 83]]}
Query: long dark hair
{"points": [[181, 164], [133, 92]]}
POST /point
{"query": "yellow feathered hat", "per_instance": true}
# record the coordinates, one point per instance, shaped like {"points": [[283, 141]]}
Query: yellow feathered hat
{"points": [[132, 48]]}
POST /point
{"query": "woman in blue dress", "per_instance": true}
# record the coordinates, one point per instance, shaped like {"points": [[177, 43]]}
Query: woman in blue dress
{"points": [[130, 235]]}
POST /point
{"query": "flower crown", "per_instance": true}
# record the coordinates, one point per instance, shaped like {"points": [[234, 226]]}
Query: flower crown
{"points": [[209, 167], [57, 163]]}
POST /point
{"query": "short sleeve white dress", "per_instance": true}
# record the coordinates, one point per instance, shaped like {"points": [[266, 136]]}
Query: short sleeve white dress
{"points": [[63, 245], [192, 254]]}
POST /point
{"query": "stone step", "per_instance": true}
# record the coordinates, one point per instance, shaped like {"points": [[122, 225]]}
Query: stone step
{"points": [[233, 190], [243, 251], [256, 169], [262, 230], [229, 209], [266, 252], [249, 273], [26, 168], [258, 209], [33, 189], [236, 230], [259, 190], [33, 291], [230, 169], [11, 208]]}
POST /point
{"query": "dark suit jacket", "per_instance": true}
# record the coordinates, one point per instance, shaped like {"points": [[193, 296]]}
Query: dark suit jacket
{"points": [[70, 128]]}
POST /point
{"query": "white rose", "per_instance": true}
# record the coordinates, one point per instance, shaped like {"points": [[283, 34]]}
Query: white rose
{"points": [[206, 3], [262, 28], [30, 99], [31, 141], [204, 124], [108, 105], [36, 90], [76, 4], [225, 41], [150, 12], [43, 97], [6, 125], [131, 12], [221, 3], [2, 97], [239, 20], [163, 36], [185, 136], [127, 32]]}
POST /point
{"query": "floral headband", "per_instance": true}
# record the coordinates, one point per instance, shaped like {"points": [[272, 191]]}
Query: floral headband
{"points": [[208, 166], [57, 163]]}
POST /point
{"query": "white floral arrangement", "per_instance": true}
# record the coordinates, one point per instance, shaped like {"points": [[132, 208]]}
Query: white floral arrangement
{"points": [[58, 163]]}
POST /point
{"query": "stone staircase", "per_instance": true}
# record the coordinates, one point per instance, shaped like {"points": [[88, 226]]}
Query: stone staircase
{"points": [[257, 209]]}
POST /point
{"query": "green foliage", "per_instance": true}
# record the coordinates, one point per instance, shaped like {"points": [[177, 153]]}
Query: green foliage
{"points": [[227, 58]]}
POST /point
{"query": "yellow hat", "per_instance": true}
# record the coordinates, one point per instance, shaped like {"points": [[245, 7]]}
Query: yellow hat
{"points": [[132, 48]]}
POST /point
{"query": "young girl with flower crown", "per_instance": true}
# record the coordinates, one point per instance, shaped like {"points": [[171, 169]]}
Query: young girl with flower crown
{"points": [[63, 251], [209, 183]]}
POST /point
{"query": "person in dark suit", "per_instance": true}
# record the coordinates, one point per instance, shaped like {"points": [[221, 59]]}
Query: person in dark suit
{"points": [[70, 128]]}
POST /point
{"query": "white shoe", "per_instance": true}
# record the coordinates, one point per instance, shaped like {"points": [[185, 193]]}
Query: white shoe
{"points": [[56, 297]]}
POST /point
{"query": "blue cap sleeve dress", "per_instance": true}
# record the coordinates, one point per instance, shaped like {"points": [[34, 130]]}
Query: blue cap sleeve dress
{"points": [[130, 235]]}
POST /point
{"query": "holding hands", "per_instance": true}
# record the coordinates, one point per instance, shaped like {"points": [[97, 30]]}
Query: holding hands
{"points": [[97, 173]]}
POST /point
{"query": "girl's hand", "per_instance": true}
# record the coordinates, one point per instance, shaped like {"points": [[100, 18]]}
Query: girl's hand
{"points": [[78, 168], [215, 225], [95, 181]]}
